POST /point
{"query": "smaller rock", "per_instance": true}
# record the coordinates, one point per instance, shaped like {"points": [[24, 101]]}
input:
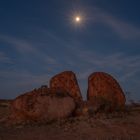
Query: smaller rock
{"points": [[42, 104]]}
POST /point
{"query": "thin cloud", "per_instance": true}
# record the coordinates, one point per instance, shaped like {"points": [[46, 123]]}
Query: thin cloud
{"points": [[127, 66], [20, 45], [4, 58], [81, 60], [123, 29], [24, 78], [109, 60], [129, 75], [89, 61], [14, 82], [27, 48]]}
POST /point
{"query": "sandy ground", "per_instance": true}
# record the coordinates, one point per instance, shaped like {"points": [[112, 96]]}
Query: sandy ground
{"points": [[116, 126]]}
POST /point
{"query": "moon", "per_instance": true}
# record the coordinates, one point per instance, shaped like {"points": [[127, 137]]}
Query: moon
{"points": [[77, 19]]}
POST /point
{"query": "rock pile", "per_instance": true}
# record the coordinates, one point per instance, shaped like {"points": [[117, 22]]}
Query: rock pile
{"points": [[63, 98]]}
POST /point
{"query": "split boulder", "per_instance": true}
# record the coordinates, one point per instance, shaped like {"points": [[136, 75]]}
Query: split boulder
{"points": [[105, 92]]}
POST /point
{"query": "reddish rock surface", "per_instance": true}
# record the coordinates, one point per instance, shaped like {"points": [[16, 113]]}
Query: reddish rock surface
{"points": [[67, 81], [42, 104], [104, 89]]}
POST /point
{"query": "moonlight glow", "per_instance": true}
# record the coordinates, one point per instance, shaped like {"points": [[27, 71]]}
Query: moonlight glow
{"points": [[77, 19]]}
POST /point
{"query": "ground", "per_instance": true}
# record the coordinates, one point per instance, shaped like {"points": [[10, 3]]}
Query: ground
{"points": [[115, 126]]}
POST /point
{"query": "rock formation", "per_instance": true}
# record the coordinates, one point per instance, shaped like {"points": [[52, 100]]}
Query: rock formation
{"points": [[64, 99], [104, 91], [42, 104], [67, 81]]}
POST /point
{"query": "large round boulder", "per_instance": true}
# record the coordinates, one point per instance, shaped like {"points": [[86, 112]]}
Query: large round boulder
{"points": [[105, 92], [42, 104], [67, 81]]}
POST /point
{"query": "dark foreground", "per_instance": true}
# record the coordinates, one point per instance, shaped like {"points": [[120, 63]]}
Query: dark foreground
{"points": [[116, 126]]}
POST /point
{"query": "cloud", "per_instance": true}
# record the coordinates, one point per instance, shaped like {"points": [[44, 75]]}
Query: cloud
{"points": [[27, 49], [126, 66], [69, 56], [129, 75], [24, 78], [86, 61], [123, 29], [20, 45], [14, 82], [4, 58]]}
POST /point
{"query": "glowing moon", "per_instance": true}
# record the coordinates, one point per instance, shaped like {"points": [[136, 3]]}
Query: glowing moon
{"points": [[77, 19]]}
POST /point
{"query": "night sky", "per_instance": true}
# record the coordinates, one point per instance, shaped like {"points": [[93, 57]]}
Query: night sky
{"points": [[39, 38]]}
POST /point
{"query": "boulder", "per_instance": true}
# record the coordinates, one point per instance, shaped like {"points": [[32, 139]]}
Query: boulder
{"points": [[104, 92], [42, 104], [68, 82]]}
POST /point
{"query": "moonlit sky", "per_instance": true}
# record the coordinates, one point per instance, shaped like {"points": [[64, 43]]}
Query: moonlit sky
{"points": [[39, 38]]}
